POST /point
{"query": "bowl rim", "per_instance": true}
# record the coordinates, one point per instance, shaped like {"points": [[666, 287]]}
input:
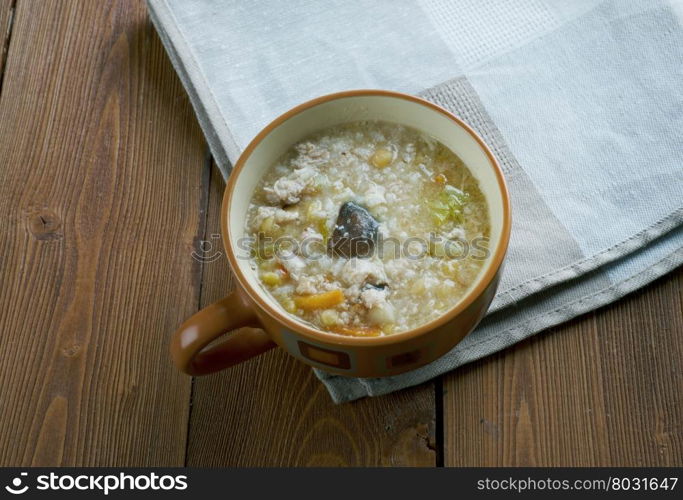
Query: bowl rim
{"points": [[333, 338]]}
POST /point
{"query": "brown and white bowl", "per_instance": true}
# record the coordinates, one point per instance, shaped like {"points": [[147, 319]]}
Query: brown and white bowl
{"points": [[250, 306]]}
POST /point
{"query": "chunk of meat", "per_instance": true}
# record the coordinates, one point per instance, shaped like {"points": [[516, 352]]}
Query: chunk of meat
{"points": [[308, 285], [288, 190], [372, 297], [293, 264], [375, 299], [357, 272], [355, 232], [374, 195], [285, 191], [279, 215]]}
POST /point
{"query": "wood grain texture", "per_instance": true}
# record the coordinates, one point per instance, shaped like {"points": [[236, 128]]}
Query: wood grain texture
{"points": [[603, 390], [6, 21], [272, 411], [100, 206]]}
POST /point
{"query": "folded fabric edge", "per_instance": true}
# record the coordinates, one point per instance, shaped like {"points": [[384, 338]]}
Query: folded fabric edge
{"points": [[577, 269], [206, 109], [345, 389]]}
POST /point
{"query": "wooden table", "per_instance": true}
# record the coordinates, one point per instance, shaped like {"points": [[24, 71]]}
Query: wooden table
{"points": [[107, 188]]}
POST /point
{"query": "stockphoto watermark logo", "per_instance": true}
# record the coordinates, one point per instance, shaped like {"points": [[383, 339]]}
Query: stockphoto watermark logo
{"points": [[97, 483], [264, 247]]}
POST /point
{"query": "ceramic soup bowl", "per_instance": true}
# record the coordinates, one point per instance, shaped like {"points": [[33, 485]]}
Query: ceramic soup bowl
{"points": [[260, 323]]}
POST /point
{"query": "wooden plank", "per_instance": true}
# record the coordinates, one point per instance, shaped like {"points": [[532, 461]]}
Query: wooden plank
{"points": [[272, 411], [99, 210], [603, 390]]}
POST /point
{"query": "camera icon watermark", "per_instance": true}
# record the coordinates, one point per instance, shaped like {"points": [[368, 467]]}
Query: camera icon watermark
{"points": [[208, 251], [16, 488]]}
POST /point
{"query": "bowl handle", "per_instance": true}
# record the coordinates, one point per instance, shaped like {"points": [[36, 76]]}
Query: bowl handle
{"points": [[189, 344]]}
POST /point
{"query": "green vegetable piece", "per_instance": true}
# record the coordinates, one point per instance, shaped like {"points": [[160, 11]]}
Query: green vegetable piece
{"points": [[449, 205]]}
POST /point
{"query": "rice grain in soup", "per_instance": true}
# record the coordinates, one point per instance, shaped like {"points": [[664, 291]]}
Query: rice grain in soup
{"points": [[368, 229]]}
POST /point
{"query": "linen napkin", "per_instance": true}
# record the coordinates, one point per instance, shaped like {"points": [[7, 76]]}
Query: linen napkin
{"points": [[581, 102]]}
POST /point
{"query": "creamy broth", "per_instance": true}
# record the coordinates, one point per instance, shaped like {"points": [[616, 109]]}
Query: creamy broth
{"points": [[368, 229]]}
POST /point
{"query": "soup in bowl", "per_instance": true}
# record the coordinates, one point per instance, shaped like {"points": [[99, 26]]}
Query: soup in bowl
{"points": [[366, 230]]}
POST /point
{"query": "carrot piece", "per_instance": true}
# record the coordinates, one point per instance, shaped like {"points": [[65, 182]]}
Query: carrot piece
{"points": [[283, 269], [323, 300], [440, 179], [357, 331]]}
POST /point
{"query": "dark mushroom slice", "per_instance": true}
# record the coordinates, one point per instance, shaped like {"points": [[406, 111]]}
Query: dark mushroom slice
{"points": [[355, 232], [376, 286]]}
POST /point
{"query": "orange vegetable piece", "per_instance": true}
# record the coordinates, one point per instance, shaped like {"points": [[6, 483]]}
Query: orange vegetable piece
{"points": [[323, 300], [440, 179], [283, 269]]}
